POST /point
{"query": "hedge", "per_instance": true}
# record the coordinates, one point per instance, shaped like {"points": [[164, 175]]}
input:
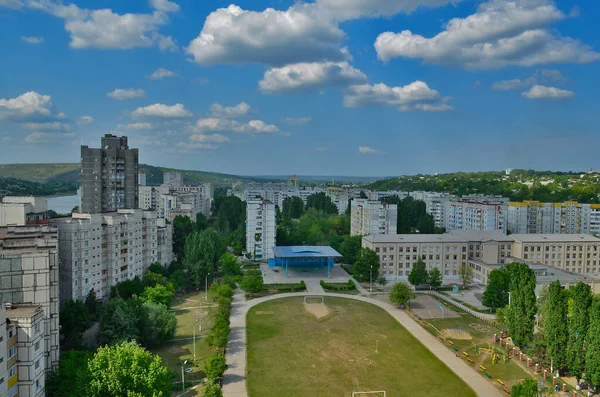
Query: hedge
{"points": [[293, 287], [331, 287]]}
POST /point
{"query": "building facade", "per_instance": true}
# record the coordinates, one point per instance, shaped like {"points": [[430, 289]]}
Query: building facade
{"points": [[260, 229], [569, 217], [23, 210], [173, 179], [467, 214], [369, 217], [109, 176]]}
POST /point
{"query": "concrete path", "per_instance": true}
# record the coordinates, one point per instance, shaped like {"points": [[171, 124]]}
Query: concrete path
{"points": [[313, 286], [234, 380]]}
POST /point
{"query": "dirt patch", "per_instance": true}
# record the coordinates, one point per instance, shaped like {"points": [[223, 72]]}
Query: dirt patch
{"points": [[454, 333], [318, 310], [264, 312], [176, 350]]}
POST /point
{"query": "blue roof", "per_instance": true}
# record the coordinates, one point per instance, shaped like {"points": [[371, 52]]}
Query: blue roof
{"points": [[305, 251]]}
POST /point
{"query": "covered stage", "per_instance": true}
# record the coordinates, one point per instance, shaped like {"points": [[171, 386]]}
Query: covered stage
{"points": [[304, 256]]}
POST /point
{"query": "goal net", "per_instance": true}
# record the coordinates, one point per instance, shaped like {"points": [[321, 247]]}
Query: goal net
{"points": [[314, 299], [369, 394]]}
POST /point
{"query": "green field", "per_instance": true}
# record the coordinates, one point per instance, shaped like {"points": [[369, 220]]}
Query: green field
{"points": [[291, 353]]}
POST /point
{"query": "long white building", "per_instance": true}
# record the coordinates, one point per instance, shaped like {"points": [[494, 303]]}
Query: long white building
{"points": [[369, 217], [569, 217], [260, 229], [170, 201]]}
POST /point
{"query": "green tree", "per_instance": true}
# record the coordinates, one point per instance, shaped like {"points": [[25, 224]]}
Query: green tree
{"points": [[381, 280], [119, 321], [152, 279], [592, 343], [418, 275], [127, 289], [526, 388], [426, 224], [212, 390], [496, 292], [158, 294], [229, 265], [435, 277], [321, 202], [158, 268], [182, 228], [158, 325], [579, 322], [232, 209], [215, 367], [293, 207], [127, 370], [401, 293], [522, 308], [465, 273], [92, 304], [350, 248], [201, 222], [366, 265], [502, 315], [202, 252], [555, 326], [70, 379], [252, 284], [74, 320]]}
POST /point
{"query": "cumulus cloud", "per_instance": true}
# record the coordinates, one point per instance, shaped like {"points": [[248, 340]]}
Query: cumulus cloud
{"points": [[414, 96], [47, 137], [547, 93], [366, 149], [321, 148], [272, 37], [53, 126], [310, 77], [501, 33], [507, 85], [206, 138], [32, 39], [185, 147], [544, 76], [159, 110], [135, 126], [352, 9], [29, 106], [127, 93], [105, 29], [553, 75], [14, 4], [296, 120], [161, 73], [238, 110], [253, 127], [85, 120]]}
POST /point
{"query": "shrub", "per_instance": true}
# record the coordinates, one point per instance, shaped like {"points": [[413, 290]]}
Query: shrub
{"points": [[212, 390], [215, 367]]}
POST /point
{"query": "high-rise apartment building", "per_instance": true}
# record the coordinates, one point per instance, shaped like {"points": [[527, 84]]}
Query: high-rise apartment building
{"points": [[173, 179], [109, 176], [260, 229], [369, 217], [467, 214], [569, 217]]}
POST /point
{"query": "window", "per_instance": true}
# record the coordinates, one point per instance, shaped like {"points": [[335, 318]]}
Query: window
{"points": [[12, 371], [12, 352], [37, 346], [11, 332], [36, 328], [37, 365]]}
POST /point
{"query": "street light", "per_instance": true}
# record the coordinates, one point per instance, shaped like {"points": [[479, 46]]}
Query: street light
{"points": [[194, 328], [206, 287], [371, 280], [509, 299]]}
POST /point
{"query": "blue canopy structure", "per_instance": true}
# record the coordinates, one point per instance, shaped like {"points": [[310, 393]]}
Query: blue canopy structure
{"points": [[304, 256]]}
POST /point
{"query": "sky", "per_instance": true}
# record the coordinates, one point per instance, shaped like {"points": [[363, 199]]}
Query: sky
{"points": [[329, 87]]}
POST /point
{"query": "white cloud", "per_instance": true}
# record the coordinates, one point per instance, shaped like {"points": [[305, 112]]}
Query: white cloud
{"points": [[238, 110], [135, 126], [501, 33], [547, 93], [47, 137], [507, 85], [209, 138], [104, 29], [160, 110], [85, 120], [414, 96], [366, 149], [321, 148], [127, 93], [161, 73], [252, 127], [545, 76], [553, 75], [32, 39], [29, 106], [54, 126], [310, 76], [14, 4], [296, 120], [272, 37], [186, 147], [351, 9]]}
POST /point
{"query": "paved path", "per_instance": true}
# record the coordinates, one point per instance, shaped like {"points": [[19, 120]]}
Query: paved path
{"points": [[313, 286], [234, 380]]}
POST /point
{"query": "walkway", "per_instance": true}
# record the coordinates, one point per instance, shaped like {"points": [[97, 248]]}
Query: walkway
{"points": [[234, 380]]}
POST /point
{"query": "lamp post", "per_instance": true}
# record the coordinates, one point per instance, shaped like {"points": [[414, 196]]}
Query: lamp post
{"points": [[194, 331], [376, 346], [371, 280], [509, 299], [182, 379], [206, 287]]}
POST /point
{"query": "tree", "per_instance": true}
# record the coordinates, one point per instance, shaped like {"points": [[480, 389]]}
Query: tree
{"points": [[555, 326], [252, 284], [202, 252], [496, 292], [158, 294], [350, 248], [119, 321], [158, 325], [522, 308], [401, 293], [127, 370], [293, 207], [465, 272], [526, 388], [418, 274], [92, 304], [435, 277], [229, 265], [74, 320], [366, 265], [70, 379], [579, 321], [426, 224], [127, 289], [201, 222], [182, 228], [215, 367], [592, 343], [381, 280], [158, 268], [212, 390], [321, 202]]}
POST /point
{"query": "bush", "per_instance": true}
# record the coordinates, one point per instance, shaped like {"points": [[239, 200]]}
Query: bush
{"points": [[215, 367], [212, 390], [292, 287], [349, 286]]}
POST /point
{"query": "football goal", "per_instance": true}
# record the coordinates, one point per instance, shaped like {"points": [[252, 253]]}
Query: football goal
{"points": [[314, 299], [369, 394]]}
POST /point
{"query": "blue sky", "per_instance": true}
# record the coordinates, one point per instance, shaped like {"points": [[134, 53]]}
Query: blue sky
{"points": [[344, 87]]}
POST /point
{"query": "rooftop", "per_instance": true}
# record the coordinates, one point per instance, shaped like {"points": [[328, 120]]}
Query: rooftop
{"points": [[23, 311], [455, 237], [557, 238], [305, 251]]}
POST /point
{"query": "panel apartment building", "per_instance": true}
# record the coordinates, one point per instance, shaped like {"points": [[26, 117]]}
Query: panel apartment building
{"points": [[369, 217], [475, 214], [260, 229], [569, 217], [109, 176]]}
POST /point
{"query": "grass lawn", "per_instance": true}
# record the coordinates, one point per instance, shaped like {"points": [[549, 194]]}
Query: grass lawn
{"points": [[290, 353], [175, 353]]}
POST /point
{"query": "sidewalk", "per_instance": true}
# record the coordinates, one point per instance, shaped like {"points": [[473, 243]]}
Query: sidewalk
{"points": [[234, 380]]}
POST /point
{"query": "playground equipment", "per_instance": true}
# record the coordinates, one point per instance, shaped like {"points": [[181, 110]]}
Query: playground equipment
{"points": [[494, 353]]}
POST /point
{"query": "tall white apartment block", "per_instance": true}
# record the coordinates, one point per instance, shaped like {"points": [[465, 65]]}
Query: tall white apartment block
{"points": [[173, 179], [368, 217], [170, 201], [569, 217], [475, 215], [260, 229], [97, 251]]}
